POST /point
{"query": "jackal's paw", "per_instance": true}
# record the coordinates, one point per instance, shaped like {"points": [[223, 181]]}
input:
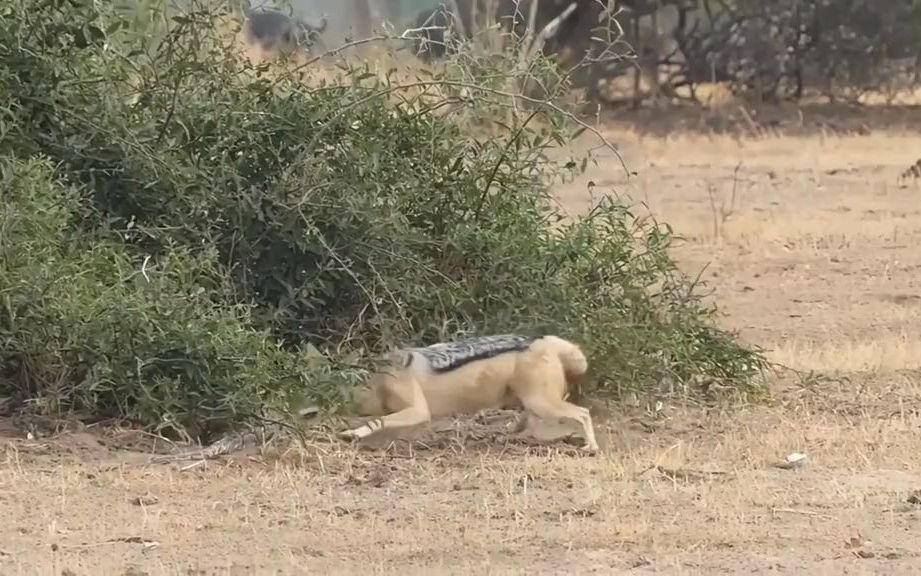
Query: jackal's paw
{"points": [[348, 435], [590, 449]]}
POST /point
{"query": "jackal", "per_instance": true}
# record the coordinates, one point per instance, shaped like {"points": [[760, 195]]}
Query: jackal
{"points": [[537, 375]]}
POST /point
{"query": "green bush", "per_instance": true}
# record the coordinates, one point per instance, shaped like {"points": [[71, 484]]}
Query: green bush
{"points": [[87, 327], [343, 216]]}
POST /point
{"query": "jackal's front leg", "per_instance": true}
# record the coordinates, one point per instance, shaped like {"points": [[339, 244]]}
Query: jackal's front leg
{"points": [[408, 393], [411, 416]]}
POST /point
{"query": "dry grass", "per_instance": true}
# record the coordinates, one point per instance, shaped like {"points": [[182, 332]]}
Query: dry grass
{"points": [[883, 352], [810, 241], [816, 260], [686, 492]]}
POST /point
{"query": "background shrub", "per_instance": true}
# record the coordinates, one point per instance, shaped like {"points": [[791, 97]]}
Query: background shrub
{"points": [[170, 208], [87, 327]]}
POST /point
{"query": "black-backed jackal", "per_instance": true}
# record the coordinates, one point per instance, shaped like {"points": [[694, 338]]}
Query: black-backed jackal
{"points": [[536, 374]]}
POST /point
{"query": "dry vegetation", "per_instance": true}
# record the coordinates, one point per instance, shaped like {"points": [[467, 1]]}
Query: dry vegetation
{"points": [[816, 259]]}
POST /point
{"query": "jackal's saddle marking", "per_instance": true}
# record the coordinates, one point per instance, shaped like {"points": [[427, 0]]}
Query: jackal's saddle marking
{"points": [[449, 356]]}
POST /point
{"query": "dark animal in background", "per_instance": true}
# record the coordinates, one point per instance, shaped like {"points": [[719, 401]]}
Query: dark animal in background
{"points": [[274, 31], [581, 43]]}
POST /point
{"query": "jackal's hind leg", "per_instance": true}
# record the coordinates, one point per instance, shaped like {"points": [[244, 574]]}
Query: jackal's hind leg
{"points": [[521, 423], [546, 408]]}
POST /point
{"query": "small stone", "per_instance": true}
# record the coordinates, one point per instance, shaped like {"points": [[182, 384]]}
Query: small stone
{"points": [[793, 461], [145, 500]]}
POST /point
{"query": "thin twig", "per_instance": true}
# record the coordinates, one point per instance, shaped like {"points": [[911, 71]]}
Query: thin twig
{"points": [[688, 474], [528, 33], [345, 268], [458, 21], [144, 268], [406, 33], [801, 512], [492, 176], [550, 30], [457, 84], [342, 48]]}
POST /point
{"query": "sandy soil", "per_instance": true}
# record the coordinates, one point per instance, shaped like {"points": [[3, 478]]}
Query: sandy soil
{"points": [[816, 259]]}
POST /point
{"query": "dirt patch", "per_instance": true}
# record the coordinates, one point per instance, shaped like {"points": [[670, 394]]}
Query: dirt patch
{"points": [[680, 491], [815, 259]]}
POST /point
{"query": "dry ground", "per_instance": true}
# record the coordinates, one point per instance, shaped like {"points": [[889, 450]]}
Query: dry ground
{"points": [[817, 260]]}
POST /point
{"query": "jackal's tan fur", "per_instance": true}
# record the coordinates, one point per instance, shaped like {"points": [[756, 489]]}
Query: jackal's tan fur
{"points": [[538, 378]]}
